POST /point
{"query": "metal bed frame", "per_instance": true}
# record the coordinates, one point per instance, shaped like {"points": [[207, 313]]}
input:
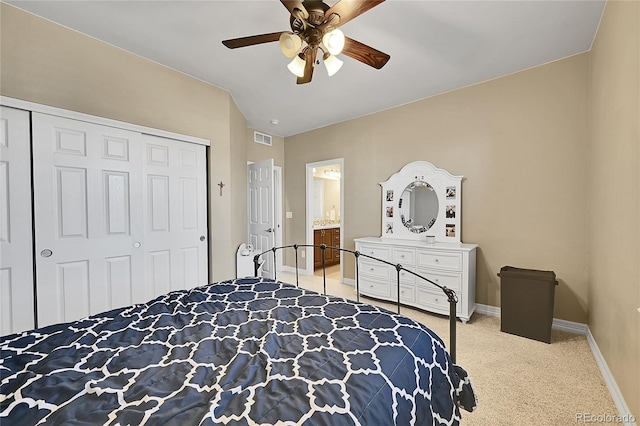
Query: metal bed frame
{"points": [[451, 295]]}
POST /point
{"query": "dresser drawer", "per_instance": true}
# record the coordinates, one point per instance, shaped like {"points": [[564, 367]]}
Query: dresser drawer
{"points": [[440, 260], [405, 277], [374, 288], [407, 294], [404, 256], [374, 251], [375, 270], [452, 281], [435, 301]]}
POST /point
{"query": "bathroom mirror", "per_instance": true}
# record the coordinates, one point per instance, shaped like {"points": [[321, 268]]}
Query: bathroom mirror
{"points": [[422, 201], [418, 207]]}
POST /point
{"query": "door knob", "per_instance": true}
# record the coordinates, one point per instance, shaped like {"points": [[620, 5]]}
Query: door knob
{"points": [[46, 253], [268, 230], [202, 238], [136, 244]]}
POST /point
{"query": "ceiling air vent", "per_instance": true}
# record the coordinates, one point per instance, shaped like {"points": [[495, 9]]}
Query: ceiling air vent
{"points": [[262, 138]]}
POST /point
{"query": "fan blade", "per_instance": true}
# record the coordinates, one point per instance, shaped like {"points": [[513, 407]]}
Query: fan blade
{"points": [[310, 57], [295, 4], [349, 9], [251, 40], [365, 54]]}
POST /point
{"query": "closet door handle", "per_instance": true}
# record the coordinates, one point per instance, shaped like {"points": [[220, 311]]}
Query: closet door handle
{"points": [[46, 253]]}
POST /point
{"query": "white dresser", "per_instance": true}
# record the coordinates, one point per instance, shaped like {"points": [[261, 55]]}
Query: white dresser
{"points": [[448, 264]]}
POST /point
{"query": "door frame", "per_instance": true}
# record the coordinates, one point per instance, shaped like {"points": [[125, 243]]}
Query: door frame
{"points": [[278, 187], [309, 213]]}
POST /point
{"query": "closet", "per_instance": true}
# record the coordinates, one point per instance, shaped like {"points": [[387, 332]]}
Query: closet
{"points": [[119, 216]]}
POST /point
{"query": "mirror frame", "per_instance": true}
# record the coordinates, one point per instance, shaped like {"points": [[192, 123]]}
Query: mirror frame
{"points": [[447, 187]]}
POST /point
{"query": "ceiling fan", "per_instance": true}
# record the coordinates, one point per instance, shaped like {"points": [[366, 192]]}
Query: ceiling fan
{"points": [[314, 26]]}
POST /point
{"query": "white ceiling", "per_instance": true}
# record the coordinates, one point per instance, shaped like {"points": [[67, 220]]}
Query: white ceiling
{"points": [[435, 47]]}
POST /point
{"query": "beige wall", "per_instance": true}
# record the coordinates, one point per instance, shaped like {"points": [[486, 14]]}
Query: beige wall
{"points": [[46, 63], [520, 141], [238, 183], [614, 195]]}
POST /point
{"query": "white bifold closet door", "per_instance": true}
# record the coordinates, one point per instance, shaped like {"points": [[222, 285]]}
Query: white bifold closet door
{"points": [[175, 215], [16, 250], [110, 209]]}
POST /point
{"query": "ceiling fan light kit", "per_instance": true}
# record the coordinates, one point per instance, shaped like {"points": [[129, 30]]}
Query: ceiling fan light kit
{"points": [[297, 65], [314, 25], [334, 41], [332, 63], [290, 44]]}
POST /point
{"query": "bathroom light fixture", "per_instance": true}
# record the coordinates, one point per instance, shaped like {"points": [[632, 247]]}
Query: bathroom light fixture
{"points": [[333, 174]]}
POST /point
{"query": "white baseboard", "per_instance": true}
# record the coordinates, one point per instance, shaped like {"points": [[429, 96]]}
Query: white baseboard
{"points": [[582, 329], [349, 281], [285, 268], [618, 399], [292, 269], [492, 311], [558, 324]]}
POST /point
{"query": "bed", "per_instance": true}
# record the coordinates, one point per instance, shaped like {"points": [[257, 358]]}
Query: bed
{"points": [[238, 352]]}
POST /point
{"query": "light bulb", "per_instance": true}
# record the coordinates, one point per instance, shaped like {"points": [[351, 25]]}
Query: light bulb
{"points": [[297, 66], [334, 41], [332, 64], [290, 44]]}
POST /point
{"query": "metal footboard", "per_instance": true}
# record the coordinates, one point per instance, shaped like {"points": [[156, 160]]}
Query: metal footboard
{"points": [[451, 295]]}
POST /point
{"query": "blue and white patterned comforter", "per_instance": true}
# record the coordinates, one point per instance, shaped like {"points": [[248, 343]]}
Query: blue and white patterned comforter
{"points": [[243, 352]]}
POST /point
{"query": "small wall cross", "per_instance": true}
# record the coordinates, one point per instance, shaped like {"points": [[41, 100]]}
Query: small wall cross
{"points": [[221, 185]]}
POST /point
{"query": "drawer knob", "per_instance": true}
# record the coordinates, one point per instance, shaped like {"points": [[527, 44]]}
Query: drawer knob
{"points": [[372, 269], [437, 260]]}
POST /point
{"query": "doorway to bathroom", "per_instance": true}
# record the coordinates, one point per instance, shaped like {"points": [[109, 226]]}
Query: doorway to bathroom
{"points": [[325, 208]]}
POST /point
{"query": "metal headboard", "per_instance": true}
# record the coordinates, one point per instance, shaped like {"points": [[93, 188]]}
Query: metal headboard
{"points": [[451, 295]]}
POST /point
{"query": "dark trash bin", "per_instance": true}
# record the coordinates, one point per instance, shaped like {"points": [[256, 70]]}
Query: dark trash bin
{"points": [[526, 302]]}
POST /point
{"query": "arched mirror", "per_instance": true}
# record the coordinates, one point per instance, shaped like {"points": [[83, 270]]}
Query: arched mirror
{"points": [[418, 207], [421, 202]]}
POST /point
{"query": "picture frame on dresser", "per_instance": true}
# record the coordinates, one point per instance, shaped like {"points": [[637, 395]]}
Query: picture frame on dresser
{"points": [[425, 200]]}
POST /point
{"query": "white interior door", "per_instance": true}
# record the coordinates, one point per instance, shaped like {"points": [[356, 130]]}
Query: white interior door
{"points": [[16, 261], [88, 221], [261, 211], [175, 213]]}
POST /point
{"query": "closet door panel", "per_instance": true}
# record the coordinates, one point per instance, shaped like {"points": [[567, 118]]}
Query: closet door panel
{"points": [[175, 214], [89, 223], [16, 241]]}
